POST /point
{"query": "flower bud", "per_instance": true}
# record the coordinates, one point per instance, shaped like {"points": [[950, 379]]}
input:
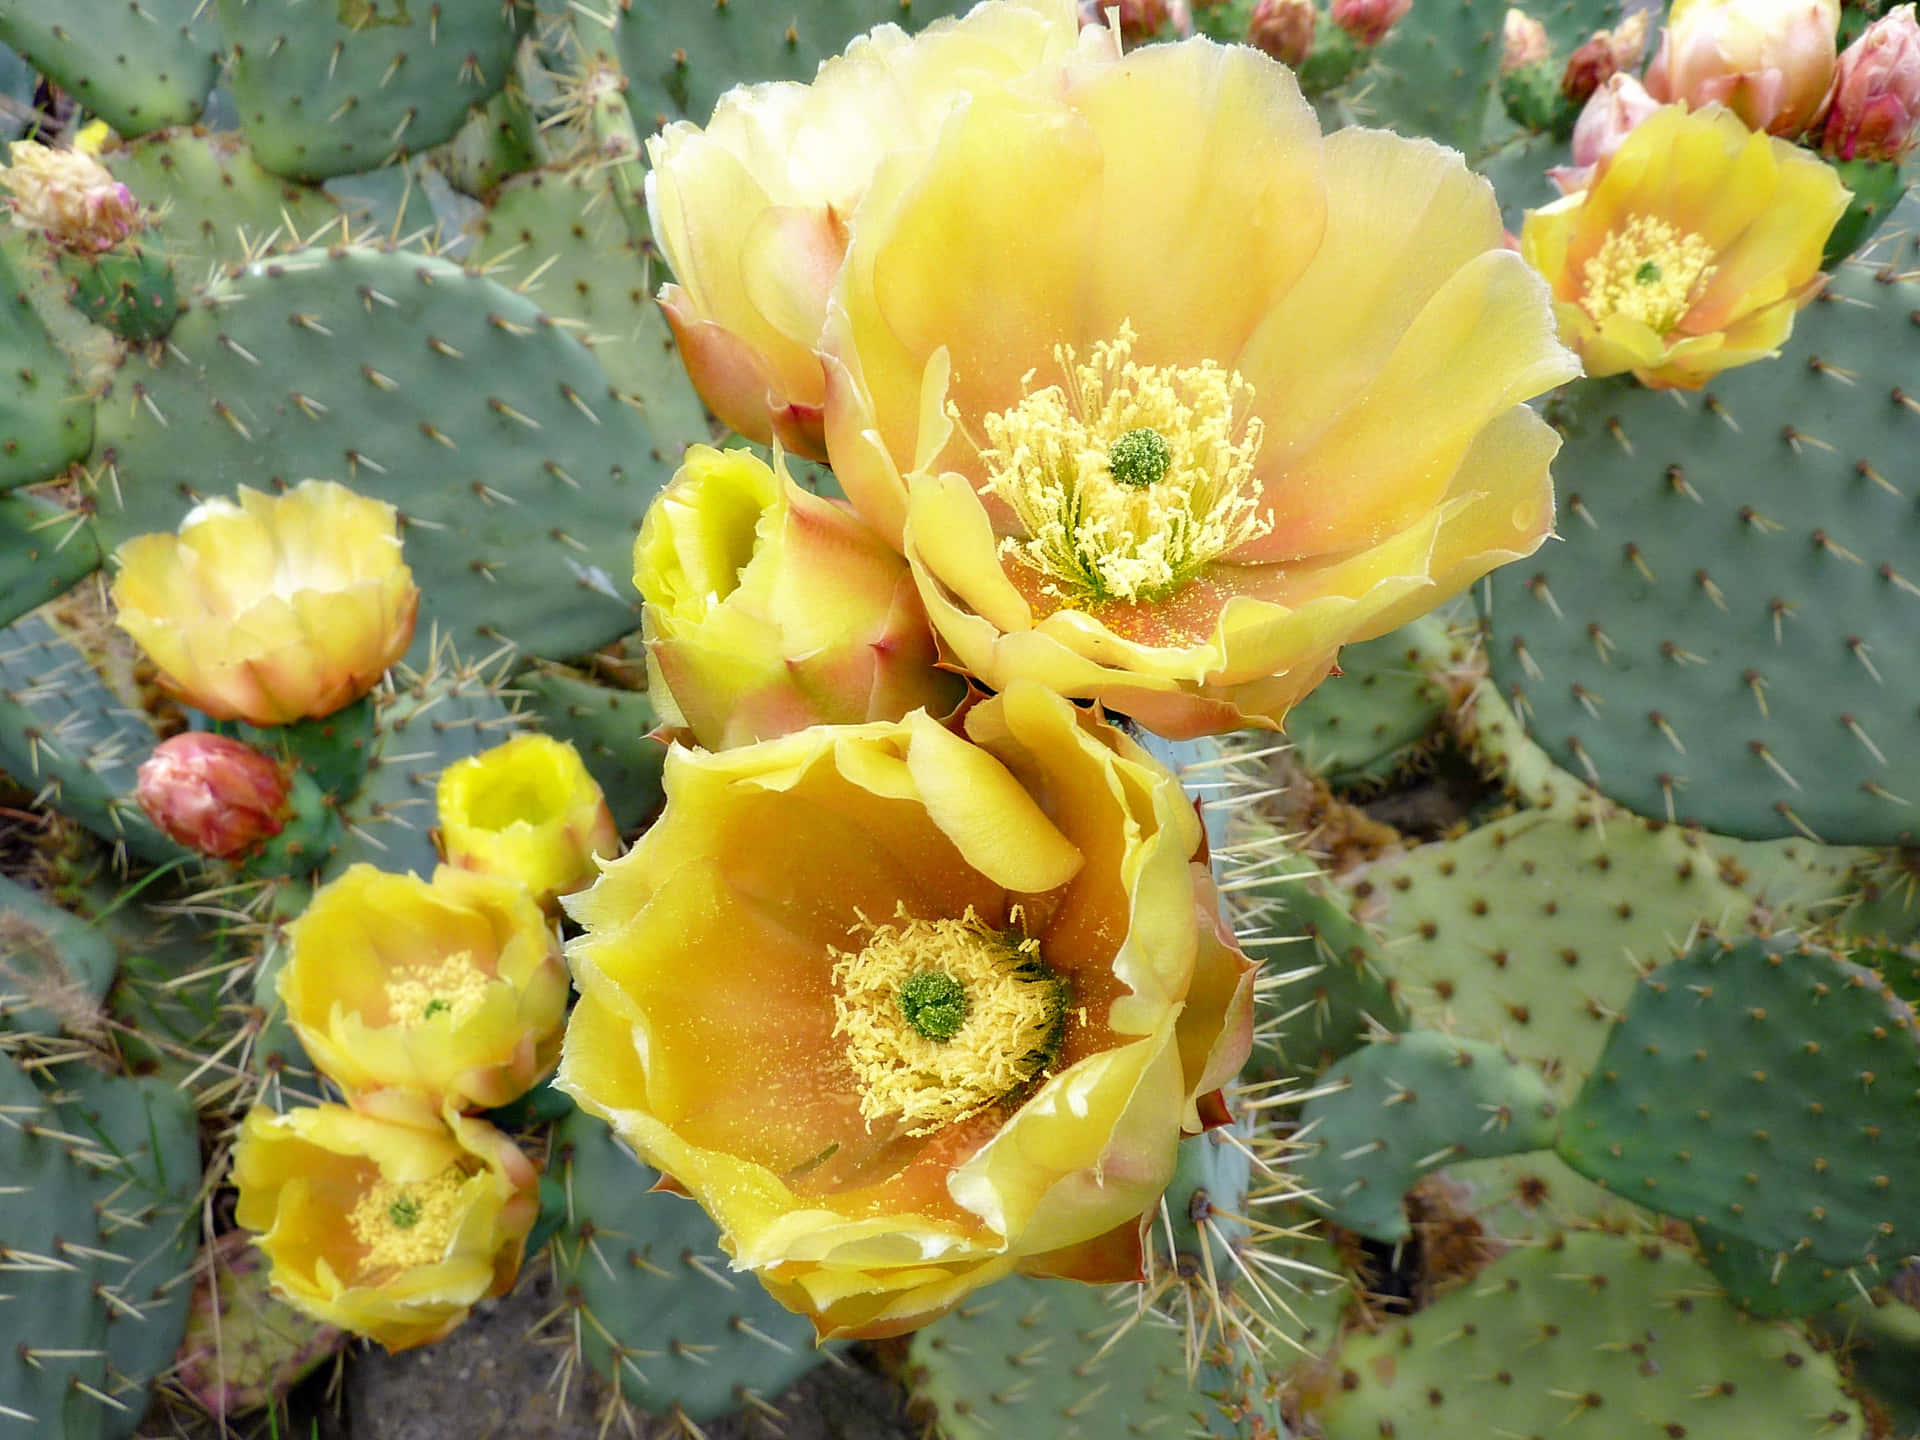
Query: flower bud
{"points": [[1140, 19], [1609, 117], [1523, 42], [1876, 97], [1283, 29], [212, 794], [1589, 67], [69, 195], [527, 810], [275, 609], [1368, 21], [770, 609], [1771, 62]]}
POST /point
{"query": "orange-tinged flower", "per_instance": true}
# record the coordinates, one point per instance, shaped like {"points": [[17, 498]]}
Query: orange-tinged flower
{"points": [[527, 810], [70, 196], [1769, 61], [1167, 398], [752, 211], [452, 988], [907, 1014], [275, 609], [770, 609], [388, 1219], [1689, 252]]}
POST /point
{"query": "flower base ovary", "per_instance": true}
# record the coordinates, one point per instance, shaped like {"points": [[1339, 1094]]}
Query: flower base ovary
{"points": [[1128, 479], [1649, 270], [944, 1018]]}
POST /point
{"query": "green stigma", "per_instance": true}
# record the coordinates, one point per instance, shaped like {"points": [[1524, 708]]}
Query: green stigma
{"points": [[404, 1213], [1139, 458], [434, 1007], [934, 1003], [1647, 273]]}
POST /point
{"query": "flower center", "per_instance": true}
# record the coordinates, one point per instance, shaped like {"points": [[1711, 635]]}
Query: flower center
{"points": [[1127, 479], [408, 1223], [944, 1018], [1648, 270], [453, 987]]}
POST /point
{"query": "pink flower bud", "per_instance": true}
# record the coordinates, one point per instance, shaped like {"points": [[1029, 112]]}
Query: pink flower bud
{"points": [[1140, 19], [1610, 115], [1589, 67], [1283, 28], [1771, 62], [1876, 98], [1368, 21], [1523, 42], [212, 794]]}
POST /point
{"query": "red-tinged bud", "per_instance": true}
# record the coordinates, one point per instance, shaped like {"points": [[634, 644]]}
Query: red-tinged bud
{"points": [[1368, 21], [1141, 19], [212, 794], [1876, 97], [1283, 29], [1589, 67]]}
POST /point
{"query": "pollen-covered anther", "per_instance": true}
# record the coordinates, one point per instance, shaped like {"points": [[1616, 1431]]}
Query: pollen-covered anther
{"points": [[1649, 270], [407, 1223], [1128, 479], [944, 1018], [454, 986]]}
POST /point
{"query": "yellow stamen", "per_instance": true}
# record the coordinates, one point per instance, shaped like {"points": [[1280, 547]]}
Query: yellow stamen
{"points": [[453, 987], [925, 1060], [1649, 270], [408, 1223], [1130, 479]]}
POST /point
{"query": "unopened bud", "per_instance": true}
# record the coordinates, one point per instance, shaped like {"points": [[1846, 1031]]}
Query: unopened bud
{"points": [[1523, 42], [1589, 67], [1283, 29], [212, 794], [1140, 19], [1368, 21], [1876, 97], [1771, 62], [70, 196], [1609, 117]]}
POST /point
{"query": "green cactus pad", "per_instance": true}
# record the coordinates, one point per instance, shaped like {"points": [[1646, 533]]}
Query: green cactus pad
{"points": [[138, 67], [651, 1297], [1723, 634], [54, 967], [1323, 988], [211, 203], [327, 89], [45, 550], [1594, 1337], [1528, 930], [680, 57], [1391, 1112], [100, 1217], [553, 233], [522, 477], [1436, 75], [1768, 1282], [66, 735], [1362, 724], [1052, 1360], [46, 423], [1767, 1090]]}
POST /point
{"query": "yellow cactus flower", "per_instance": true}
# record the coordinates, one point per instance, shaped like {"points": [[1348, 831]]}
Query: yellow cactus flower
{"points": [[1690, 250], [527, 810], [275, 609], [388, 1219], [770, 609], [752, 210], [906, 1013], [452, 988], [1167, 398]]}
